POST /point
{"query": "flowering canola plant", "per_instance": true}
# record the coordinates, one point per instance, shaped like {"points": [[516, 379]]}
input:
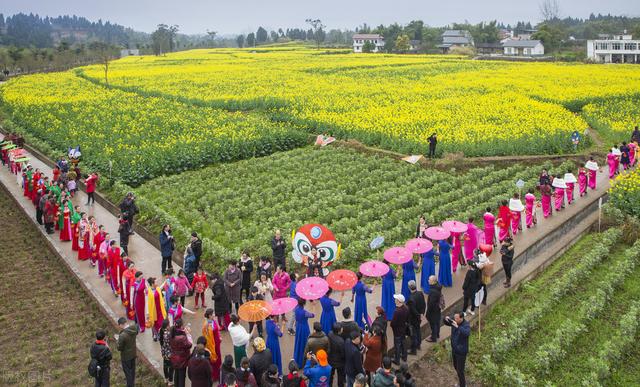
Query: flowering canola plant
{"points": [[625, 192]]}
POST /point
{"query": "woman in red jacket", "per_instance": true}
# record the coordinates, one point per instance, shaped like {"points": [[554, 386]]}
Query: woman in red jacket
{"points": [[180, 344]]}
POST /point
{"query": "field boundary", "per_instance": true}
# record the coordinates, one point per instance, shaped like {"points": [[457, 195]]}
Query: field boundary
{"points": [[88, 288]]}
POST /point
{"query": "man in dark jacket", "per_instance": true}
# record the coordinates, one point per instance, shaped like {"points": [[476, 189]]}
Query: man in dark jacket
{"points": [[196, 248], [317, 340], [472, 281], [348, 325], [129, 209], [167, 245], [278, 246], [384, 376], [260, 360], [460, 331], [417, 307], [434, 314], [127, 347], [399, 328], [353, 358], [433, 141], [101, 352], [336, 354]]}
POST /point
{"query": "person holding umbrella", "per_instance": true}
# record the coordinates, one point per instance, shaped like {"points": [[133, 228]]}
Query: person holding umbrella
{"points": [[328, 316], [360, 294], [302, 317]]}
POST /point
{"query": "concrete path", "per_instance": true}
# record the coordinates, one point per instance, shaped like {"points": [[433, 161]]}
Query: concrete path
{"points": [[147, 259]]}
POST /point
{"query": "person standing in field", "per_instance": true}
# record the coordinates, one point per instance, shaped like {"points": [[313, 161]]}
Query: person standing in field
{"points": [[101, 358], [127, 347], [433, 141], [278, 247]]}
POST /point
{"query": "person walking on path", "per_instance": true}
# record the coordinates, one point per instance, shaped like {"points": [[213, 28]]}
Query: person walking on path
{"points": [[592, 166], [434, 308], [336, 354], [317, 369], [489, 227], [582, 181], [399, 328], [165, 350], [278, 247], [167, 245], [90, 182], [302, 317], [507, 253], [232, 284], [388, 290], [504, 220], [408, 274], [433, 141], [472, 281], [129, 209], [220, 300], [417, 307], [530, 208], [359, 293], [460, 331], [445, 277], [353, 364], [101, 360], [127, 347], [211, 332]]}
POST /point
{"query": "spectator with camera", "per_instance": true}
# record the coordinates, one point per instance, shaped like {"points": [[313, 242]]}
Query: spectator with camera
{"points": [[460, 331]]}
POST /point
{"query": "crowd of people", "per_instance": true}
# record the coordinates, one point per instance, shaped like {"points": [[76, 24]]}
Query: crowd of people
{"points": [[352, 352]]}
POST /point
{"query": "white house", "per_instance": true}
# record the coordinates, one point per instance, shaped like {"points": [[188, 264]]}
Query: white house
{"points": [[619, 48], [523, 47], [129, 52], [360, 39]]}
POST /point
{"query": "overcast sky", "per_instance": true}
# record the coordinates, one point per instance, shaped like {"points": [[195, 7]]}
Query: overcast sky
{"points": [[242, 16]]}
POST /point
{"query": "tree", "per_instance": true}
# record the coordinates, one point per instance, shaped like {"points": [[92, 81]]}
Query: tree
{"points": [[274, 36], [368, 47], [161, 39], [317, 30], [402, 43], [550, 10], [15, 53], [212, 37], [240, 41], [261, 35], [251, 40], [105, 53], [550, 35]]}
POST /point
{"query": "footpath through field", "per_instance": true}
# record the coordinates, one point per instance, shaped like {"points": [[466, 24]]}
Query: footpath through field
{"points": [[147, 259]]}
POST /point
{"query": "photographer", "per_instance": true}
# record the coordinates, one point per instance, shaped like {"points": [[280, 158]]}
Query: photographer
{"points": [[507, 253], [100, 365], [460, 331], [129, 209], [167, 245]]}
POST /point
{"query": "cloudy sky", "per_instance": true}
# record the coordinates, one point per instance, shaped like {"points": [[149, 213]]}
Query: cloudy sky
{"points": [[241, 16]]}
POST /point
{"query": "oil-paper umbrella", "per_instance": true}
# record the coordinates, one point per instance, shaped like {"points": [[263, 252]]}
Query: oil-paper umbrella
{"points": [[455, 226], [437, 233], [342, 279], [283, 305], [373, 269], [398, 255], [255, 310], [418, 245], [312, 288]]}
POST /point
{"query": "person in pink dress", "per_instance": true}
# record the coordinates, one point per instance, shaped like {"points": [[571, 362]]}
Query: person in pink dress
{"points": [[489, 227], [140, 290], [455, 251], [618, 153], [504, 221], [155, 306], [471, 239], [559, 186], [529, 208], [570, 180], [582, 181], [102, 255], [516, 208], [592, 167], [632, 153], [611, 161], [545, 200]]}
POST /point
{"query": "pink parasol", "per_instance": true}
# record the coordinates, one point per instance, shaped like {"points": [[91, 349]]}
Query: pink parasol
{"points": [[397, 255], [418, 245], [373, 269], [455, 226], [283, 305], [312, 288], [437, 233], [342, 279]]}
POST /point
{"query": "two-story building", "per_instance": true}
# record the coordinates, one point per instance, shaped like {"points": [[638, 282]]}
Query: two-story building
{"points": [[455, 38], [620, 48], [359, 41]]}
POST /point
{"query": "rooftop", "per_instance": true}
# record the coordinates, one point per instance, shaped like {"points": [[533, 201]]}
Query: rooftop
{"points": [[521, 43], [368, 36]]}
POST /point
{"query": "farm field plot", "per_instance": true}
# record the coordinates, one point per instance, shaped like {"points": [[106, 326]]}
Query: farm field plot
{"points": [[569, 326], [48, 323], [392, 101], [237, 206], [615, 117]]}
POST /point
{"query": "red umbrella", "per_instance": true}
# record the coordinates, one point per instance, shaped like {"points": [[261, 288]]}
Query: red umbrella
{"points": [[398, 255], [418, 245], [455, 226], [342, 279], [437, 233], [485, 248], [373, 269], [283, 305], [312, 288]]}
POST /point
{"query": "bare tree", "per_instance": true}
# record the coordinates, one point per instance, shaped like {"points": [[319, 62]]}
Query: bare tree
{"points": [[318, 32], [105, 53], [550, 10]]}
